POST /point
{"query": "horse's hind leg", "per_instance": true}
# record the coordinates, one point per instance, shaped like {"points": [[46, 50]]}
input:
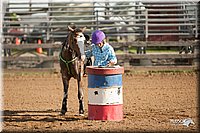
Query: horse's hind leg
{"points": [[65, 97]]}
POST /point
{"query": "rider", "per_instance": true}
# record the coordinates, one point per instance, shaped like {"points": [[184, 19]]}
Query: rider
{"points": [[103, 53]]}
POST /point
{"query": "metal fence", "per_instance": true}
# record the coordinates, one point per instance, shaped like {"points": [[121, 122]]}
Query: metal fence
{"points": [[116, 19], [126, 24]]}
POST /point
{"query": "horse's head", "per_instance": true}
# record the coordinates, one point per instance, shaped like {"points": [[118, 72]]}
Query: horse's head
{"points": [[76, 40]]}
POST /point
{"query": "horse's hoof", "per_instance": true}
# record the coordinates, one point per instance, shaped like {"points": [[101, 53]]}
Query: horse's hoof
{"points": [[81, 115], [62, 112]]}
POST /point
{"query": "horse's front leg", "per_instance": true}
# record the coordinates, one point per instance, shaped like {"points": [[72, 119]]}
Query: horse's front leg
{"points": [[80, 98], [65, 97], [80, 88]]}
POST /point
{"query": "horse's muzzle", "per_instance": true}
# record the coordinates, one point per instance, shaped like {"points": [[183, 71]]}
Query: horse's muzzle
{"points": [[81, 47]]}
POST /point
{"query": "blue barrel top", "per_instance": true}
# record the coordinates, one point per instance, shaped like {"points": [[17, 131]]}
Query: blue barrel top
{"points": [[104, 77]]}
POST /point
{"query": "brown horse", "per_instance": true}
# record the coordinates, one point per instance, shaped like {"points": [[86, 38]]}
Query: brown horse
{"points": [[72, 64]]}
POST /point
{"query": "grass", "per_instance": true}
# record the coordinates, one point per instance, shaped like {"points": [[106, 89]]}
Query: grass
{"points": [[165, 71], [172, 71], [148, 50]]}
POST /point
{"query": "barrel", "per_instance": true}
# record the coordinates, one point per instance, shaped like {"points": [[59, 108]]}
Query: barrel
{"points": [[105, 97]]}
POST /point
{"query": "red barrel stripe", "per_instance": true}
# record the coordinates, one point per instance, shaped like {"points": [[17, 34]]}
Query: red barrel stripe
{"points": [[105, 112], [104, 71]]}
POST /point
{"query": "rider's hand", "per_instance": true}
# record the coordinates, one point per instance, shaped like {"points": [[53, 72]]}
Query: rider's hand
{"points": [[111, 63]]}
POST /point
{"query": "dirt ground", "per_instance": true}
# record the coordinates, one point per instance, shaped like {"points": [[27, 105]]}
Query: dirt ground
{"points": [[151, 102]]}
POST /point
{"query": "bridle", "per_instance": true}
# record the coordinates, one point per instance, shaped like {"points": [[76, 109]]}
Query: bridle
{"points": [[70, 40]]}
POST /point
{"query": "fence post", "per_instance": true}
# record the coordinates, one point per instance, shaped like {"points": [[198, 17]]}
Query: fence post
{"points": [[146, 24], [146, 62], [48, 24], [97, 22], [196, 60], [125, 51], [196, 22]]}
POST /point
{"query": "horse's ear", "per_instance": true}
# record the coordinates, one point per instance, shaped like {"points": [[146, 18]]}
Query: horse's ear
{"points": [[83, 29], [70, 28]]}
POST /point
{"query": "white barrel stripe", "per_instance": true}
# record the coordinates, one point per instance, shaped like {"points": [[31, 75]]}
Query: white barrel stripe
{"points": [[106, 96]]}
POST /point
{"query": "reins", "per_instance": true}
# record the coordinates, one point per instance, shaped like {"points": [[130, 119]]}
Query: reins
{"points": [[67, 62]]}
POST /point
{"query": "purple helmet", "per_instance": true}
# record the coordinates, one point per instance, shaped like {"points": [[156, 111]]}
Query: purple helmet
{"points": [[98, 36]]}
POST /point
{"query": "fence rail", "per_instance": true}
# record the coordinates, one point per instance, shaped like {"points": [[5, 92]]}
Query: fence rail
{"points": [[115, 45], [124, 56], [119, 57]]}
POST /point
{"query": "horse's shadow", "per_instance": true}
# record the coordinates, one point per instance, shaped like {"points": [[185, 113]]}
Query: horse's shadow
{"points": [[43, 116]]}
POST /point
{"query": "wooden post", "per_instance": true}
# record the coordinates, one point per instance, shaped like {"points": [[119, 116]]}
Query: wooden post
{"points": [[125, 51], [196, 61], [49, 64]]}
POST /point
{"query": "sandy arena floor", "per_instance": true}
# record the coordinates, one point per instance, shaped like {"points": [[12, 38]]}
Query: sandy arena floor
{"points": [[152, 102]]}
